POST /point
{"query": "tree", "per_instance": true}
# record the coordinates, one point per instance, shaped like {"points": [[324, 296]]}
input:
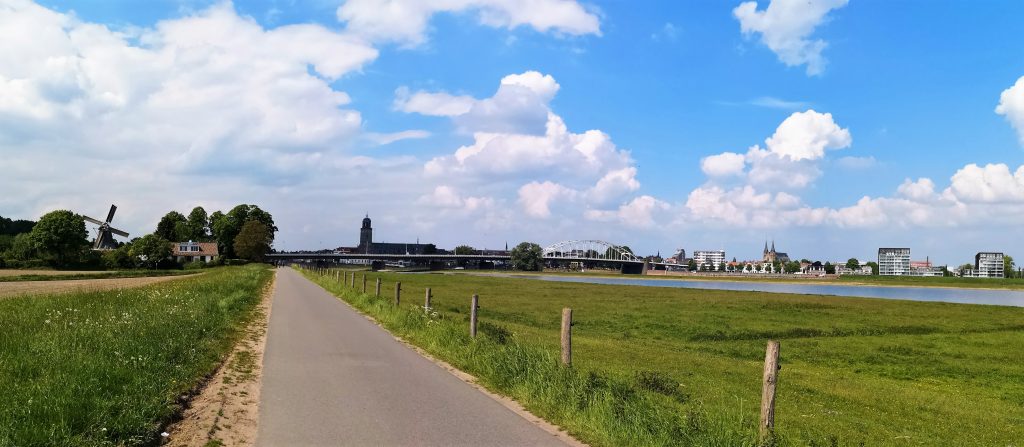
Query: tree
{"points": [[22, 248], [1008, 266], [692, 265], [429, 249], [60, 235], [792, 267], [198, 224], [253, 242], [150, 249], [874, 267], [853, 264], [527, 256], [464, 250], [169, 228], [215, 217], [227, 226], [119, 258], [15, 227], [829, 268]]}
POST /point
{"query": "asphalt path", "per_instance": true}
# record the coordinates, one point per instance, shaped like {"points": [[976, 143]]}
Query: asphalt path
{"points": [[333, 378]]}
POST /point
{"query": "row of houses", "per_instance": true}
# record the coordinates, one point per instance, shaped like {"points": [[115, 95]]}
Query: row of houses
{"points": [[896, 262]]}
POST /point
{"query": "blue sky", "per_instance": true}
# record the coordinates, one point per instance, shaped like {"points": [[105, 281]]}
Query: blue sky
{"points": [[895, 92]]}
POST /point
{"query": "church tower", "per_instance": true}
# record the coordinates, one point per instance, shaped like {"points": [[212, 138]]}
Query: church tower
{"points": [[366, 235]]}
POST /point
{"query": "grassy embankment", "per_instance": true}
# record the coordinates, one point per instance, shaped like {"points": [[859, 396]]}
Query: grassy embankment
{"points": [[855, 371], [107, 368], [96, 275]]}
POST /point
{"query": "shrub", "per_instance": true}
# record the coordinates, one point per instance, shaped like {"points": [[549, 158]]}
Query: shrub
{"points": [[195, 265]]}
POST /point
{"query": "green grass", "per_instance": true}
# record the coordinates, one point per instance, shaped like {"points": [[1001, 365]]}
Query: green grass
{"points": [[855, 371], [108, 368], [100, 275]]}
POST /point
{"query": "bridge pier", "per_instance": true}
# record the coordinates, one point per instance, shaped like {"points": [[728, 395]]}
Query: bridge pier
{"points": [[632, 269]]}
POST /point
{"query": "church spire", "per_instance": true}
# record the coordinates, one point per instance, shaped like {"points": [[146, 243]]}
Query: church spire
{"points": [[773, 245]]}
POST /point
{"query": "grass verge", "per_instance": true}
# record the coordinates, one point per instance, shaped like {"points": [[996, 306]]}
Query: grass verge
{"points": [[111, 368]]}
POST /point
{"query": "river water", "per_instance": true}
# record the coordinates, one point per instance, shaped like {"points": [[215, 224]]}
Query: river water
{"points": [[948, 295]]}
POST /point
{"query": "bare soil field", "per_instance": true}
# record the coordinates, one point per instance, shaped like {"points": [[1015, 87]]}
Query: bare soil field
{"points": [[8, 289], [17, 272]]}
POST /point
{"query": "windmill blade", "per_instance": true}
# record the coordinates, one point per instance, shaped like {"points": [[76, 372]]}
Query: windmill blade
{"points": [[118, 232], [89, 219], [110, 215]]}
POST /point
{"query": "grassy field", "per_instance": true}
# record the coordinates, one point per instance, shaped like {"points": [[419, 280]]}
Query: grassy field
{"points": [[657, 366], [107, 368], [64, 276]]}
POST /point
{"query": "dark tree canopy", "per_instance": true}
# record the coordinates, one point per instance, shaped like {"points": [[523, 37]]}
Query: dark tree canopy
{"points": [[170, 225], [60, 235], [527, 256], [226, 227], [15, 227], [852, 263], [253, 241], [198, 224], [464, 250]]}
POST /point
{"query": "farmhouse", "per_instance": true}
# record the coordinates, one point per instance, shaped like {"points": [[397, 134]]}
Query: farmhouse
{"points": [[194, 251]]}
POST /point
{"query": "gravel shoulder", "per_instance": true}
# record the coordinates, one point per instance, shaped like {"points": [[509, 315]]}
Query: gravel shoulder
{"points": [[226, 410]]}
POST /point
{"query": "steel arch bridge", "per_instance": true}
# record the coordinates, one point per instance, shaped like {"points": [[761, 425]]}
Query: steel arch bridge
{"points": [[589, 250]]}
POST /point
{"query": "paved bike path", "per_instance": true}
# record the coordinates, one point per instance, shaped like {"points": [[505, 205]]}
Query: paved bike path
{"points": [[333, 378]]}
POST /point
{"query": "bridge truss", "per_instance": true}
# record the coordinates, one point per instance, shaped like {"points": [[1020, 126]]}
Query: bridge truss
{"points": [[589, 250]]}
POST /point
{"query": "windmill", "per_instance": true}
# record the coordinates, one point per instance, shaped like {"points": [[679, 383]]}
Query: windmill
{"points": [[105, 234]]}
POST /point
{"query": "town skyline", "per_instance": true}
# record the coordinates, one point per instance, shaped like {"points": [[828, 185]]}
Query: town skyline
{"points": [[697, 126]]}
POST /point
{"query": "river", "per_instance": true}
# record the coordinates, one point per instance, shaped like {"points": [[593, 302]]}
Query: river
{"points": [[941, 294]]}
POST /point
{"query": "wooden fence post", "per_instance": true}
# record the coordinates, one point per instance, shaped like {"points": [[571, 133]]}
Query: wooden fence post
{"points": [[567, 336], [364, 282], [377, 293], [398, 293], [426, 301], [473, 306], [771, 378]]}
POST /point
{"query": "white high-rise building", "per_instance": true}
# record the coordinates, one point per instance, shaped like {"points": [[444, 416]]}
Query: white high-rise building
{"points": [[988, 265], [713, 257], [893, 261]]}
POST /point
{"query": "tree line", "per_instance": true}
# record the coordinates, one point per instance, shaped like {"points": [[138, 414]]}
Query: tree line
{"points": [[59, 239]]}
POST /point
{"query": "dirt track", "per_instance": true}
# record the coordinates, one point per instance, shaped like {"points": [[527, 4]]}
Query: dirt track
{"points": [[9, 289]]}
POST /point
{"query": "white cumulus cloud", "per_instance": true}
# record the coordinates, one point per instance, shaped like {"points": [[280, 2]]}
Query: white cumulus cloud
{"points": [[785, 27], [1011, 105], [406, 21], [723, 165]]}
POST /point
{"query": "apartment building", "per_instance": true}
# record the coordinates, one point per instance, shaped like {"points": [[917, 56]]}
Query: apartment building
{"points": [[893, 261]]}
